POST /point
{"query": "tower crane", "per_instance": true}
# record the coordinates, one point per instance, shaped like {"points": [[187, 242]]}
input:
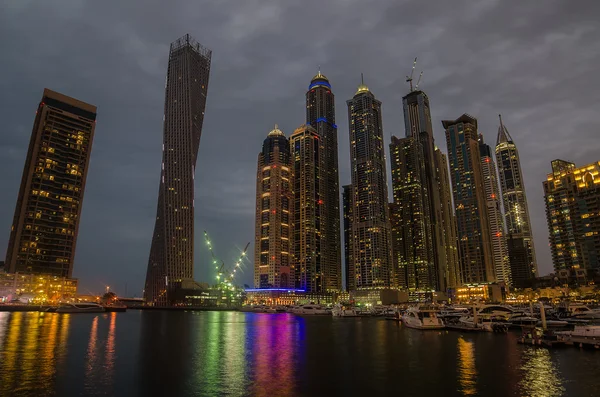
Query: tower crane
{"points": [[409, 79]]}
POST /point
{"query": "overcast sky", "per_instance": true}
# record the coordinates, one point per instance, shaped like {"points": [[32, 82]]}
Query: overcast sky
{"points": [[536, 62]]}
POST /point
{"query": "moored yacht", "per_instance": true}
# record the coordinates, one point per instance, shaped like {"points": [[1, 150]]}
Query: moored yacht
{"points": [[312, 309], [422, 317], [343, 311]]}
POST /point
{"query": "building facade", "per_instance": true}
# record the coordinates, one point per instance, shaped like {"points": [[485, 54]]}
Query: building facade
{"points": [[44, 231], [516, 211], [307, 168], [493, 203], [172, 252], [424, 248], [320, 115], [273, 259], [450, 272], [468, 189], [39, 288], [371, 249], [347, 226], [412, 240], [572, 196]]}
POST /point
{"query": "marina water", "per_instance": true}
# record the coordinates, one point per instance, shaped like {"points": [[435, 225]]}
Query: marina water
{"points": [[143, 353]]}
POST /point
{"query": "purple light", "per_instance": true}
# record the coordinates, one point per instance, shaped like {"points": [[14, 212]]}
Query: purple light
{"points": [[275, 289]]}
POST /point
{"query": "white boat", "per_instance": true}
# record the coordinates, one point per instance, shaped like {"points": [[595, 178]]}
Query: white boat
{"points": [[522, 319], [312, 309], [583, 312], [82, 307], [577, 311], [586, 331], [553, 323], [422, 317], [343, 311], [497, 313]]}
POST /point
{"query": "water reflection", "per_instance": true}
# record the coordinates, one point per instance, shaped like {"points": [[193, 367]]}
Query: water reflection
{"points": [[540, 376], [467, 373], [234, 357], [273, 354], [33, 346], [109, 357], [90, 362]]}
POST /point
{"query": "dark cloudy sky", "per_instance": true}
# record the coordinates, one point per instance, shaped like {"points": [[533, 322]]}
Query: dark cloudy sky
{"points": [[536, 62]]}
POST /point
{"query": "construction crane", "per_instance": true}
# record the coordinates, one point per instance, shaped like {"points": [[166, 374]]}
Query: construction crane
{"points": [[409, 79], [418, 81], [221, 270]]}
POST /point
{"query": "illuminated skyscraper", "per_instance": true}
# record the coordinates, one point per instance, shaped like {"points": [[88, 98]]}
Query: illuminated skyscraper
{"points": [[46, 221], [413, 256], [468, 188], [320, 114], [371, 249], [492, 199], [424, 248], [449, 239], [347, 211], [308, 169], [572, 197], [516, 212], [273, 264], [172, 253]]}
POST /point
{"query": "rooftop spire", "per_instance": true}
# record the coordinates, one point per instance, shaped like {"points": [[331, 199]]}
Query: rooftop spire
{"points": [[276, 131], [503, 135], [362, 87]]}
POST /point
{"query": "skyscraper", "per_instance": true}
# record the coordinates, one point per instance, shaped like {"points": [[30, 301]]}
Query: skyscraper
{"points": [[468, 189], [492, 199], [273, 259], [516, 212], [308, 175], [449, 240], [413, 255], [371, 255], [572, 196], [44, 230], [320, 114], [347, 225], [424, 249], [172, 252]]}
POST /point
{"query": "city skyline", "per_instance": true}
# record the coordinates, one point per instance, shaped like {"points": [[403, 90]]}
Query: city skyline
{"points": [[118, 216]]}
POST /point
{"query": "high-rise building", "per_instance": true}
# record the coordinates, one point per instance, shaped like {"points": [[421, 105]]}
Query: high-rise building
{"points": [[516, 212], [413, 255], [273, 259], [320, 114], [308, 170], [399, 272], [572, 196], [371, 250], [449, 240], [347, 211], [44, 230], [468, 189], [172, 252], [418, 191], [492, 200]]}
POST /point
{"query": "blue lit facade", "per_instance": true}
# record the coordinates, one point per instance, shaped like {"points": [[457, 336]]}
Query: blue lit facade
{"points": [[320, 115]]}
